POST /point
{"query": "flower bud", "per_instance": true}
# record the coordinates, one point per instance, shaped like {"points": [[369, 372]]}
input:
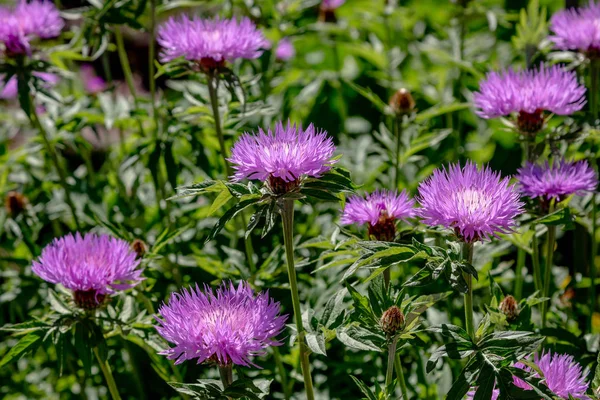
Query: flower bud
{"points": [[139, 247], [392, 321], [15, 203], [510, 308], [402, 102]]}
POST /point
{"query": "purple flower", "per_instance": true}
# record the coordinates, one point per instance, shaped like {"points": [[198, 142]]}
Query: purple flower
{"points": [[210, 42], [476, 203], [557, 181], [92, 83], [380, 210], [229, 326], [9, 90], [26, 22], [92, 266], [283, 157], [285, 50], [577, 28], [563, 376], [529, 94], [331, 5]]}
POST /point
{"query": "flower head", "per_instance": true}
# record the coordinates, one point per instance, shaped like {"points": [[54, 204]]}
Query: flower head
{"points": [[476, 203], [92, 83], [91, 265], [282, 157], [10, 89], [529, 94], [230, 325], [563, 376], [210, 42], [402, 102], [285, 50], [380, 210], [577, 28], [37, 19], [557, 181]]}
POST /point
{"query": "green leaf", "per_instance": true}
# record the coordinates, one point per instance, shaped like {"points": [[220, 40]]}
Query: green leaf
{"points": [[334, 308], [596, 380], [363, 388], [27, 326], [205, 389], [83, 346], [27, 344], [465, 380], [485, 383], [230, 214], [316, 342], [246, 388], [220, 201], [57, 304], [359, 338]]}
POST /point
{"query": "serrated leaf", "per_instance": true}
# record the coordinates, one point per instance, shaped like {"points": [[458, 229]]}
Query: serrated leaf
{"points": [[27, 344]]}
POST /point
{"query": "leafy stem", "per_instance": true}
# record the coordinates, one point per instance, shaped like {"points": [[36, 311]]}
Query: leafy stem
{"points": [[287, 216], [548, 267], [468, 256], [106, 371]]}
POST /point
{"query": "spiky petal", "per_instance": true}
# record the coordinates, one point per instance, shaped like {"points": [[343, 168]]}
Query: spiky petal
{"points": [[229, 325], [552, 89], [557, 180], [369, 209], [99, 263], [475, 203], [27, 21], [218, 40], [577, 28], [288, 153]]}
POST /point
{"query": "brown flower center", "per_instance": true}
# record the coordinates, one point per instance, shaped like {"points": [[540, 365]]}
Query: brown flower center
{"points": [[385, 228], [88, 299], [279, 186], [530, 122]]}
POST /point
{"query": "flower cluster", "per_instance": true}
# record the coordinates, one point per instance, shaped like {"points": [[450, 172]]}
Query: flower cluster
{"points": [[557, 180], [476, 203], [380, 210], [577, 29], [28, 21], [228, 326], [91, 265], [529, 94], [210, 42], [282, 157]]}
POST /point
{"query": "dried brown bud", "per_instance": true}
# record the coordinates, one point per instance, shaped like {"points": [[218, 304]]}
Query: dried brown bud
{"points": [[139, 247], [392, 321], [402, 102], [15, 203], [509, 307]]}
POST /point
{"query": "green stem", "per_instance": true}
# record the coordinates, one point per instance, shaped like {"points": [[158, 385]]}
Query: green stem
{"points": [[519, 273], [54, 157], [468, 256], [282, 373], [535, 260], [389, 375], [287, 216], [398, 135], [400, 377], [595, 86], [593, 249], [386, 278], [213, 85], [548, 265], [127, 71], [226, 374], [110, 380], [151, 59]]}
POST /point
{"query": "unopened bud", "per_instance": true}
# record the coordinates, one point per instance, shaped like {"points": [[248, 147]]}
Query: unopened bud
{"points": [[402, 102], [509, 307], [392, 321], [15, 203], [139, 247]]}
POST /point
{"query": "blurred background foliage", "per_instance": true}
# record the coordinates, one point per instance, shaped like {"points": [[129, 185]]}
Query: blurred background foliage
{"points": [[125, 160]]}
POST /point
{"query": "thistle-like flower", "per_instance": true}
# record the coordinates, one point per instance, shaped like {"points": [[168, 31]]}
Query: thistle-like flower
{"points": [[28, 21], [282, 157], [380, 210], [92, 266], [527, 94], [392, 321], [285, 50], [577, 29], [210, 43], [562, 374], [475, 203], [229, 326], [557, 180]]}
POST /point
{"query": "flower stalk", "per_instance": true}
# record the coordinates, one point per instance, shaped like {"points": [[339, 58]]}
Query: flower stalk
{"points": [[287, 216], [400, 377], [106, 371], [468, 256], [393, 343], [548, 267], [226, 374]]}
